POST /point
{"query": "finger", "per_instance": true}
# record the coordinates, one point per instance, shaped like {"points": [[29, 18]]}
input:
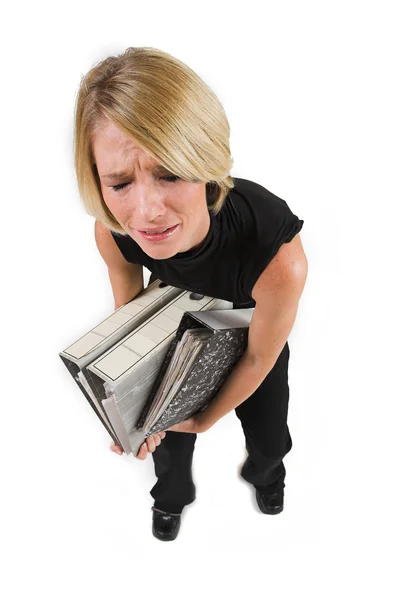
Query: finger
{"points": [[141, 455], [156, 441], [151, 445], [117, 449]]}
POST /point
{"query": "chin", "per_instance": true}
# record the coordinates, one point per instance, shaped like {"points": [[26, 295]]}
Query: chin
{"points": [[156, 250], [160, 255]]}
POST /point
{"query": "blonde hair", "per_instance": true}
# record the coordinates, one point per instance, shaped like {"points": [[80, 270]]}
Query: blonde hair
{"points": [[173, 114]]}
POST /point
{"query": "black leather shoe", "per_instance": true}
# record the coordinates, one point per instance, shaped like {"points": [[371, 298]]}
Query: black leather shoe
{"points": [[270, 504], [165, 525]]}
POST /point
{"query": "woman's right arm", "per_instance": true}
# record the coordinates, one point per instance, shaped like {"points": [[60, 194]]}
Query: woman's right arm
{"points": [[126, 278], [127, 282]]}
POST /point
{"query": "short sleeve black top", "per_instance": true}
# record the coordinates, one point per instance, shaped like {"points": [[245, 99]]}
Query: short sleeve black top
{"points": [[242, 239]]}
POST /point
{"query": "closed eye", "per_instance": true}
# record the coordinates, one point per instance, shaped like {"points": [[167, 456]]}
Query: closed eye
{"points": [[118, 187], [169, 178]]}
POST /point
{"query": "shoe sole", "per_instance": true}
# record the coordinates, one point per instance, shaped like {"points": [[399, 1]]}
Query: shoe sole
{"points": [[271, 512]]}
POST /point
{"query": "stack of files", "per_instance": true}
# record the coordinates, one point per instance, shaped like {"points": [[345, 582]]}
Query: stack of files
{"points": [[157, 360], [78, 356]]}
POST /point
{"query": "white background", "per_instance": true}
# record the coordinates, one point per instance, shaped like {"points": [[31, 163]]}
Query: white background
{"points": [[311, 93]]}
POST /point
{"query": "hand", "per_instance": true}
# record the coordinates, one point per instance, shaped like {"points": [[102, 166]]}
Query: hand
{"points": [[150, 444], [191, 425]]}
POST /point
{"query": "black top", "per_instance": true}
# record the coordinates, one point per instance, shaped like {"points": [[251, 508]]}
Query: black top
{"points": [[242, 239]]}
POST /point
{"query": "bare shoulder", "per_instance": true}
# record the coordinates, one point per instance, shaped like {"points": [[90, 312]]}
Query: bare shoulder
{"points": [[109, 250], [104, 240], [288, 268], [290, 253]]}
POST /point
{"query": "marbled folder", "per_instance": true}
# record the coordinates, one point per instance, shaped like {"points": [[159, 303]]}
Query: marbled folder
{"points": [[216, 359]]}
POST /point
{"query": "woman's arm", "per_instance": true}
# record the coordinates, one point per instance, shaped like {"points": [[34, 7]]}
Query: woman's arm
{"points": [[126, 278]]}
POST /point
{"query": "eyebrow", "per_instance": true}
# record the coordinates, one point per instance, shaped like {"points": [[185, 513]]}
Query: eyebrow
{"points": [[122, 174]]}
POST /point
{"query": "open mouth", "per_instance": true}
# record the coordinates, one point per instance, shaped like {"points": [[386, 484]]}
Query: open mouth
{"points": [[159, 236]]}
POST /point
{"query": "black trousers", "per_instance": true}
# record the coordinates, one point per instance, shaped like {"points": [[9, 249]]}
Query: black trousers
{"points": [[263, 418]]}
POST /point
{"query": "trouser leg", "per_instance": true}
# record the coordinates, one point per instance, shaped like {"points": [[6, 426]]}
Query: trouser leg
{"points": [[173, 460], [263, 418]]}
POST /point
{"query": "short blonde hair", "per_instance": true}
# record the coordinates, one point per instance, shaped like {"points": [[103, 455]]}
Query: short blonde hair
{"points": [[173, 114]]}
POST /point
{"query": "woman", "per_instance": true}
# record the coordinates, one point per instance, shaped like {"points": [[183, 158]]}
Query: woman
{"points": [[152, 160]]}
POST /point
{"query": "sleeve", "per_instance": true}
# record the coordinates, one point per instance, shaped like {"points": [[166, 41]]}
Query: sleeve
{"points": [[276, 225], [128, 247]]}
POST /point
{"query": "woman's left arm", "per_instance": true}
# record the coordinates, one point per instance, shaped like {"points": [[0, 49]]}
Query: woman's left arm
{"points": [[277, 293]]}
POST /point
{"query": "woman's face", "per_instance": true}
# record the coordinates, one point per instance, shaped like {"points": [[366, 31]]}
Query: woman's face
{"points": [[144, 197]]}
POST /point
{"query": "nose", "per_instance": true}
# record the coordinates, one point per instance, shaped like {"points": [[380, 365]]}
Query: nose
{"points": [[150, 206]]}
